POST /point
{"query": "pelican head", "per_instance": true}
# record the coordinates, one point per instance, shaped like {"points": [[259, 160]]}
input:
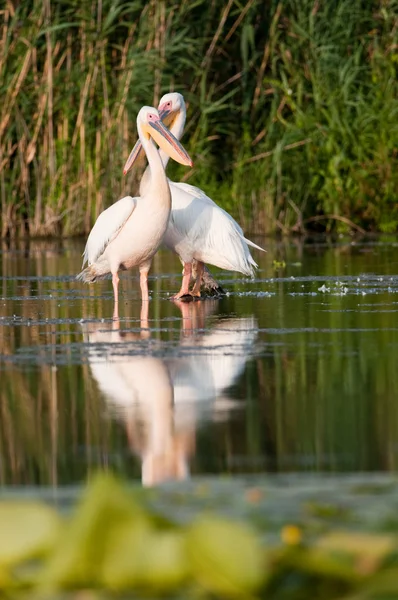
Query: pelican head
{"points": [[170, 106], [150, 125]]}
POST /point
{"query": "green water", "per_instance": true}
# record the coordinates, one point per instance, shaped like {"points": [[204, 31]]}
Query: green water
{"points": [[296, 370]]}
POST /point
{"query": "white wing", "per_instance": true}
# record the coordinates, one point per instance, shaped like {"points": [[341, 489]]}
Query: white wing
{"points": [[193, 212], [106, 227], [196, 192], [193, 191], [201, 229]]}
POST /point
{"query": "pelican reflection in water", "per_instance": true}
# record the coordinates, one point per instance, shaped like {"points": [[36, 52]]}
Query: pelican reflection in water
{"points": [[161, 398]]}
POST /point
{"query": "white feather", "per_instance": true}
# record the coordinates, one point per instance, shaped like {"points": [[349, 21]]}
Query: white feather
{"points": [[106, 227], [199, 228]]}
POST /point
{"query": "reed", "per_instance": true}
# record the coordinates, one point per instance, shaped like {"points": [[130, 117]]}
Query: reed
{"points": [[292, 108]]}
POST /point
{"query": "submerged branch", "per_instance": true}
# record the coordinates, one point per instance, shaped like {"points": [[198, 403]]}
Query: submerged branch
{"points": [[335, 218]]}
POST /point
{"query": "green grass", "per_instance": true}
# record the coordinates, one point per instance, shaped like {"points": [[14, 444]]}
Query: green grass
{"points": [[292, 108]]}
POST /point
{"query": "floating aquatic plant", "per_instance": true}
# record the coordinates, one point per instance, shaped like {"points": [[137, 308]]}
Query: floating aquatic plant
{"points": [[115, 541]]}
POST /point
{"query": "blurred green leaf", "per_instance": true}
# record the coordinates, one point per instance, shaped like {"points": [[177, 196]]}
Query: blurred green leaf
{"points": [[27, 530], [139, 555], [382, 585], [368, 550], [78, 557], [226, 557]]}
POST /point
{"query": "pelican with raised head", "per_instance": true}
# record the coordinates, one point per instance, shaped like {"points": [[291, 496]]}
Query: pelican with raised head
{"points": [[128, 233], [198, 230]]}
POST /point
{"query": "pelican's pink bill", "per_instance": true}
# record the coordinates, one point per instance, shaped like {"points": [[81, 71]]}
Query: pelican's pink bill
{"points": [[169, 143], [133, 157], [163, 112]]}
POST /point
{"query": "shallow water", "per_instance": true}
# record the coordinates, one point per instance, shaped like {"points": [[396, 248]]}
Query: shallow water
{"points": [[294, 371]]}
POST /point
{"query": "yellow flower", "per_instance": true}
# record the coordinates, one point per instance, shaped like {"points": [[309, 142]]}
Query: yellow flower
{"points": [[291, 535]]}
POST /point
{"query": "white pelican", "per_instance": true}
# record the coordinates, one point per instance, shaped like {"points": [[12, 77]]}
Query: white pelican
{"points": [[128, 233], [198, 228], [162, 400]]}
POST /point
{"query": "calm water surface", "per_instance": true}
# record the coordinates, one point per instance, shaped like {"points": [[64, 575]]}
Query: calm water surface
{"points": [[296, 370]]}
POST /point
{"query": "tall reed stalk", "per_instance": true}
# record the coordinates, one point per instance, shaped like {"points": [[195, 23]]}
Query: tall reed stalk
{"points": [[292, 108]]}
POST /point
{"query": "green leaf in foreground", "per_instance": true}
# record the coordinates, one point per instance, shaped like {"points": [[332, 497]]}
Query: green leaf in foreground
{"points": [[225, 557], [368, 551], [28, 530], [140, 556], [78, 558], [5, 579], [345, 555]]}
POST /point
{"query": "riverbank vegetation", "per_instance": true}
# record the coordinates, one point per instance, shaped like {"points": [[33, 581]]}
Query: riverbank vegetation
{"points": [[292, 108]]}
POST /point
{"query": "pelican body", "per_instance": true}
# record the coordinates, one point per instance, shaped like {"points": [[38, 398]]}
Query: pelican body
{"points": [[128, 233], [198, 229]]}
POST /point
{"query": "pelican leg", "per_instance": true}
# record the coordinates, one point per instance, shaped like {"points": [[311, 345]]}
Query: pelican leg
{"points": [[199, 274], [144, 285], [211, 287], [186, 278], [115, 283], [116, 312], [144, 324], [194, 269]]}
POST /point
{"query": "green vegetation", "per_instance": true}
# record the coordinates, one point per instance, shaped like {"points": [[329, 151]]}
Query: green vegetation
{"points": [[116, 540], [292, 107]]}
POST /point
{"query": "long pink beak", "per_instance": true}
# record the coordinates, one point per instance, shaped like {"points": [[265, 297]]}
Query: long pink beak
{"points": [[165, 140]]}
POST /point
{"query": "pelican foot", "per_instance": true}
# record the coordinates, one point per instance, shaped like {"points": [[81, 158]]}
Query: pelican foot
{"points": [[188, 297], [184, 297]]}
